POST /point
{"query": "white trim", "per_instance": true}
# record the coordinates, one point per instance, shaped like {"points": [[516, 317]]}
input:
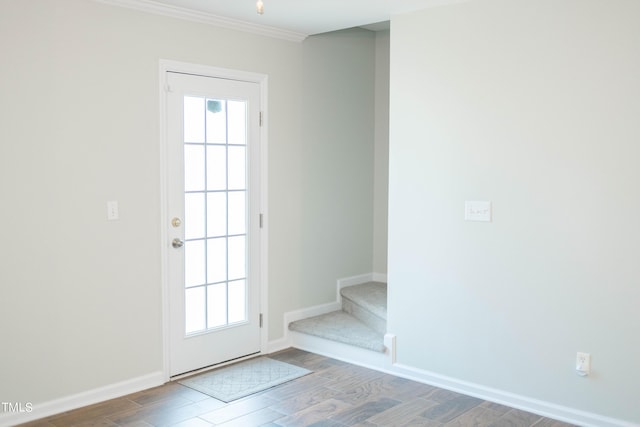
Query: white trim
{"points": [[390, 345], [74, 401], [279, 344], [157, 8], [354, 280], [380, 277], [164, 217], [211, 71], [264, 210], [223, 73]]}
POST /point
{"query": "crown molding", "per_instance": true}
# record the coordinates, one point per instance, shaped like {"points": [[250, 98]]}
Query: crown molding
{"points": [[157, 8]]}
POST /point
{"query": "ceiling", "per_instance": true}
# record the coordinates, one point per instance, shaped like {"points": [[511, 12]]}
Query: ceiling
{"points": [[299, 18]]}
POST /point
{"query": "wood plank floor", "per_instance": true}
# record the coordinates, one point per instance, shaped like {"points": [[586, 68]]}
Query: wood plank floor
{"points": [[336, 394]]}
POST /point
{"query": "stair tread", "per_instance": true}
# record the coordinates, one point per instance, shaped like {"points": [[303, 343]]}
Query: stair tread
{"points": [[342, 327], [371, 296]]}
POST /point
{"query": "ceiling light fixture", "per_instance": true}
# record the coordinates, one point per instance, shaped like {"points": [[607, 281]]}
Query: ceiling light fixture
{"points": [[260, 7]]}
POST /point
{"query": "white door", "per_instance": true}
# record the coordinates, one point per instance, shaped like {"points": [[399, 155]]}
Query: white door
{"points": [[213, 220]]}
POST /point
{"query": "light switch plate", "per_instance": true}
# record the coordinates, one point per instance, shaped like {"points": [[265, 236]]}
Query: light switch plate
{"points": [[112, 210], [477, 211]]}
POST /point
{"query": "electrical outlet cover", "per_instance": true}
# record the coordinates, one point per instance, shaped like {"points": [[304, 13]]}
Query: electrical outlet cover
{"points": [[583, 364]]}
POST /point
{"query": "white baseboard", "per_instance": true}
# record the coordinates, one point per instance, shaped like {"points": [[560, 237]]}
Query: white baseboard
{"points": [[278, 345], [355, 280], [67, 403], [380, 277], [390, 344], [361, 278]]}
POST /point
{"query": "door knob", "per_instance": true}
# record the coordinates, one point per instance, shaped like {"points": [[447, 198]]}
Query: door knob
{"points": [[177, 243]]}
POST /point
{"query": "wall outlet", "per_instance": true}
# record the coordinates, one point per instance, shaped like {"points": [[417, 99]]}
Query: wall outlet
{"points": [[583, 364]]}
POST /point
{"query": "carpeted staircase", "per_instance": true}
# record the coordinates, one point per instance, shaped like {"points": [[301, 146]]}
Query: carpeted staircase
{"points": [[362, 321]]}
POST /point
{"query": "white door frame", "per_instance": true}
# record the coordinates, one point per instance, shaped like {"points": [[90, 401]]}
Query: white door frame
{"points": [[222, 73]]}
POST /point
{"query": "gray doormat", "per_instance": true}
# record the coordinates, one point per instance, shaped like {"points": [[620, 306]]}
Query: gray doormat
{"points": [[244, 378]]}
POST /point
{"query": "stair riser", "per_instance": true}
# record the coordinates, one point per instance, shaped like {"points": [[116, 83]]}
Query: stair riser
{"points": [[365, 316], [341, 327]]}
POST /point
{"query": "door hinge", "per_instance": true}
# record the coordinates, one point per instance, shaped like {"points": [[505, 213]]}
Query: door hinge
{"points": [[261, 118], [261, 220], [168, 89], [261, 320]]}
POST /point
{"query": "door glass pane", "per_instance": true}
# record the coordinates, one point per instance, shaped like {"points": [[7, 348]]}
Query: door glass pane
{"points": [[194, 167], [195, 309], [237, 111], [216, 121], [216, 214], [237, 172], [237, 212], [193, 119], [194, 266], [237, 301], [237, 258], [216, 260], [194, 215], [216, 305], [216, 168]]}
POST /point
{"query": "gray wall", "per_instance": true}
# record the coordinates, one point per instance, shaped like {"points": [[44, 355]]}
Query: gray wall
{"points": [[533, 106], [335, 162], [79, 125], [381, 153]]}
